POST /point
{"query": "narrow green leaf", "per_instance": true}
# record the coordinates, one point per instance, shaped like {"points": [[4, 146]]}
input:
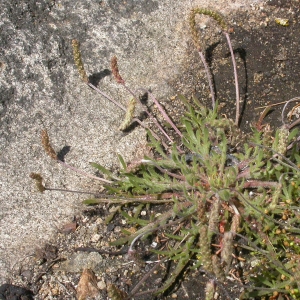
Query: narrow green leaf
{"points": [[91, 201], [101, 169], [122, 161], [189, 130]]}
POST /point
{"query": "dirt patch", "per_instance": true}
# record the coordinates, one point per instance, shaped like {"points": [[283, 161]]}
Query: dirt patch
{"points": [[267, 56], [55, 269]]}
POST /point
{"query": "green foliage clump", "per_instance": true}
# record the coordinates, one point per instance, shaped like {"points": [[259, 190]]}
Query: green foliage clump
{"points": [[223, 176]]}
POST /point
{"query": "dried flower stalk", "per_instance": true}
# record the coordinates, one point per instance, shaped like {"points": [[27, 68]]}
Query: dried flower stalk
{"points": [[115, 70], [38, 180], [217, 267], [47, 146], [129, 114], [205, 251], [210, 290], [227, 250], [203, 11], [78, 61], [214, 218]]}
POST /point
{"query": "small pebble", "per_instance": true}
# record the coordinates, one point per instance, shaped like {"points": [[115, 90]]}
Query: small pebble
{"points": [[55, 291], [174, 296], [254, 263], [27, 274], [85, 219], [101, 285], [113, 209], [154, 244], [95, 238], [99, 221], [117, 229]]}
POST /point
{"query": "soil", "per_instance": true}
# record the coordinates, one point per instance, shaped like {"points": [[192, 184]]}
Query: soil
{"points": [[267, 58], [54, 270], [268, 61]]}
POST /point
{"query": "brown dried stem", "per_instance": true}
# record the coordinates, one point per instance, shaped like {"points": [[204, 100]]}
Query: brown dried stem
{"points": [[236, 80], [162, 111]]}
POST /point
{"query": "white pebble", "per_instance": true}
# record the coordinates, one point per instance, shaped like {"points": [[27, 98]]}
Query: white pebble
{"points": [[154, 244], [101, 285], [95, 238]]}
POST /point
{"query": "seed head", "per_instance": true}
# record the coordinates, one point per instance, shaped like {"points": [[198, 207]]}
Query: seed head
{"points": [[47, 146], [38, 180], [78, 61], [115, 70]]}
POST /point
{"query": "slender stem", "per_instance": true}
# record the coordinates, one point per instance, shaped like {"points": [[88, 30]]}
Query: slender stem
{"points": [[291, 164], [155, 120], [106, 96], [209, 78], [293, 143], [158, 125], [162, 111], [129, 90], [296, 122], [152, 132], [151, 118], [83, 173], [164, 114], [169, 173], [116, 200], [256, 184], [237, 115], [271, 105], [124, 109], [258, 125]]}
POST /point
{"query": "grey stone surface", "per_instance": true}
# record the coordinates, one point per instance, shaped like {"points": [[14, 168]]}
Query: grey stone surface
{"points": [[80, 261], [40, 88]]}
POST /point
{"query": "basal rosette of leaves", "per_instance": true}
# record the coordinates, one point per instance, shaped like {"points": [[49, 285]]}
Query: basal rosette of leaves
{"points": [[225, 176]]}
